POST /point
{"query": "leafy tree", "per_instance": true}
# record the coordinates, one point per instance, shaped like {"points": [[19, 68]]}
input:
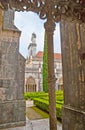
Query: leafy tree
{"points": [[45, 65]]}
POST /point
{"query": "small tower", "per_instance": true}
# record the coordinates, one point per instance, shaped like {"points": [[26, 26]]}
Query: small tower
{"points": [[32, 46]]}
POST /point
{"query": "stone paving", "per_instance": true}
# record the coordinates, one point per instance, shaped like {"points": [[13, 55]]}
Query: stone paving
{"points": [[42, 124]]}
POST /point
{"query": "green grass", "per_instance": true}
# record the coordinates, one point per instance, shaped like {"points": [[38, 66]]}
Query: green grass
{"points": [[41, 100], [42, 113]]}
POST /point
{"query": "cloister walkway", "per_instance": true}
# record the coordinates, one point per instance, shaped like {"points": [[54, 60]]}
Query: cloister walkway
{"points": [[42, 124]]}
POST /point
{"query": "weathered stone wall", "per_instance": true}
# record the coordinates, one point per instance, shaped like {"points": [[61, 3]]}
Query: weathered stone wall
{"points": [[73, 49], [21, 75], [0, 19], [12, 104]]}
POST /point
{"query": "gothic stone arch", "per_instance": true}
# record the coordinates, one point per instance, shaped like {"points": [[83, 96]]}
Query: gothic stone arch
{"points": [[30, 84], [73, 58]]}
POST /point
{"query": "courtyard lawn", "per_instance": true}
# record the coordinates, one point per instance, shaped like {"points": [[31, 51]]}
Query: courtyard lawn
{"points": [[41, 100]]}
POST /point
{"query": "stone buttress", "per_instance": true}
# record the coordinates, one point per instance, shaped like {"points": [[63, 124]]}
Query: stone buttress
{"points": [[12, 66]]}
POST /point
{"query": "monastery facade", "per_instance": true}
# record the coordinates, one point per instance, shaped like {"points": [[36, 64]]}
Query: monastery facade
{"points": [[33, 68]]}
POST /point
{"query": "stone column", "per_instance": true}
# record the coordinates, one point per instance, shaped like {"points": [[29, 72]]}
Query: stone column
{"points": [[50, 26], [73, 49]]}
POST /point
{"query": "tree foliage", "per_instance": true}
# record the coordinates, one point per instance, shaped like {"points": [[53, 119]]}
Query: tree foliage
{"points": [[45, 65]]}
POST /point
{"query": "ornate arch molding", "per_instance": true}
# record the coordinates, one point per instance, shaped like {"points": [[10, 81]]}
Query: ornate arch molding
{"points": [[54, 9]]}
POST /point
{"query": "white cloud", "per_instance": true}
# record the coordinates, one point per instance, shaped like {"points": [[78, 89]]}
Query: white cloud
{"points": [[28, 23]]}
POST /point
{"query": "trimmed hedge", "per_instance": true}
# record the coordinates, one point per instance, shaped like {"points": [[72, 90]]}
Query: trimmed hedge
{"points": [[41, 100], [44, 105], [32, 95]]}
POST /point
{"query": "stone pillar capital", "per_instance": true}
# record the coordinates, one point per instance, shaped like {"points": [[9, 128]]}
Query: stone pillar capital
{"points": [[49, 26]]}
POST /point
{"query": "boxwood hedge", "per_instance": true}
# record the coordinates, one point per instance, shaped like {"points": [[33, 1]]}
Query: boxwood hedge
{"points": [[41, 100]]}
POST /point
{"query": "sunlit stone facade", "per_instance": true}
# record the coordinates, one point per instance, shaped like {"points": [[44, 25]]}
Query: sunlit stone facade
{"points": [[33, 69]]}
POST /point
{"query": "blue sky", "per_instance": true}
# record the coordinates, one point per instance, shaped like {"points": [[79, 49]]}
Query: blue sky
{"points": [[27, 23]]}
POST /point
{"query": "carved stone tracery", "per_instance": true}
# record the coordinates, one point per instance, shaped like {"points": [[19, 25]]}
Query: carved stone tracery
{"points": [[55, 11], [59, 9]]}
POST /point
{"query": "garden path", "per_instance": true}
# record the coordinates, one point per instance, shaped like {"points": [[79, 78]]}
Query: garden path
{"points": [[39, 124]]}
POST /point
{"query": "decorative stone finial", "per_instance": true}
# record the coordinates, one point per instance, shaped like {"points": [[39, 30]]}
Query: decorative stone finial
{"points": [[33, 39]]}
